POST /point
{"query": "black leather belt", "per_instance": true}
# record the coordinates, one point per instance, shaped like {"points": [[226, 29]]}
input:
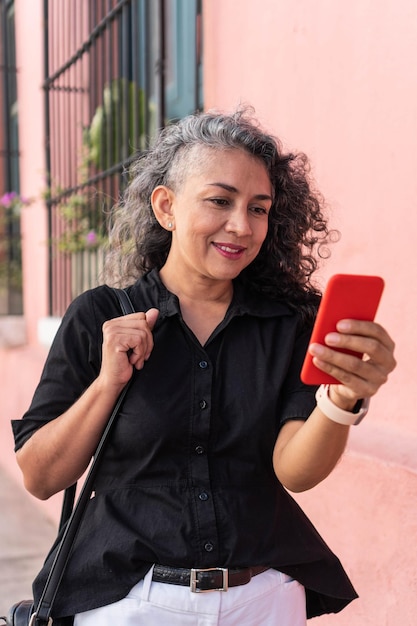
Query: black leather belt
{"points": [[211, 579]]}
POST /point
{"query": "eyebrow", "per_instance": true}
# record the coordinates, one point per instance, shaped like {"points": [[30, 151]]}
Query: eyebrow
{"points": [[259, 196]]}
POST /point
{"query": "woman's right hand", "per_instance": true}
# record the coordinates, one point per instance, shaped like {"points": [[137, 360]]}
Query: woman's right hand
{"points": [[58, 453], [127, 344]]}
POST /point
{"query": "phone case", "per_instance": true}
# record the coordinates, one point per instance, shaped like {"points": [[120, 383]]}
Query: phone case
{"points": [[347, 296]]}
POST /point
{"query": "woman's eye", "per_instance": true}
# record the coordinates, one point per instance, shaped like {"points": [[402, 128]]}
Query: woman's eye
{"points": [[220, 201], [259, 210]]}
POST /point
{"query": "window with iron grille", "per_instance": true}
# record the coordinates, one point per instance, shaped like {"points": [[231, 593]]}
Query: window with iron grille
{"points": [[115, 72], [10, 249]]}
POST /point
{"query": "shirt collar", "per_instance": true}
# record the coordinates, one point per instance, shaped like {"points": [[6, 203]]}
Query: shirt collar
{"points": [[245, 300]]}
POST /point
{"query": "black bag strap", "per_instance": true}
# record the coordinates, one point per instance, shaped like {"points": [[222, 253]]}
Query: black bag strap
{"points": [[42, 614], [126, 307]]}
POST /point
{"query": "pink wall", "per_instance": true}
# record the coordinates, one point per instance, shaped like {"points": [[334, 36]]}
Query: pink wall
{"points": [[337, 81], [29, 47], [333, 79], [20, 368]]}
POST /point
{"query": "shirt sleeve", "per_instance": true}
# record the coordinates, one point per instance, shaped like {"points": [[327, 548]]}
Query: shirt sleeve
{"points": [[298, 399], [72, 364]]}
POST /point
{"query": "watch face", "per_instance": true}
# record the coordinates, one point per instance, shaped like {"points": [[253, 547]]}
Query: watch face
{"points": [[363, 410]]}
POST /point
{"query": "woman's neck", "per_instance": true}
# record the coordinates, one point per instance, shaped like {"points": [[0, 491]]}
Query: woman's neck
{"points": [[203, 303], [197, 289]]}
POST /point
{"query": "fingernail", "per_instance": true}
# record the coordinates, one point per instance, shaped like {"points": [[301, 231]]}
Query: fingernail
{"points": [[343, 325], [332, 339], [316, 349]]}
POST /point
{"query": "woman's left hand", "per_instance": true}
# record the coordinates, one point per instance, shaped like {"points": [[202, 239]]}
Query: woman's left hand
{"points": [[359, 378]]}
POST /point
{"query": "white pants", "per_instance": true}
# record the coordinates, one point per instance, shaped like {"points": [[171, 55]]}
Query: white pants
{"points": [[269, 599]]}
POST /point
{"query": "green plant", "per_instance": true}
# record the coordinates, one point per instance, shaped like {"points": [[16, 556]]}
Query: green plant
{"points": [[79, 226], [11, 204], [118, 125], [116, 130]]}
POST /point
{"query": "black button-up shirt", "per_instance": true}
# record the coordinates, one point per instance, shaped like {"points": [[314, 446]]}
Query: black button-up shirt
{"points": [[187, 478]]}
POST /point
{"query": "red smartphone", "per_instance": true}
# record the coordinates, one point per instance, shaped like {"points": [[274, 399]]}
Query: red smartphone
{"points": [[347, 296]]}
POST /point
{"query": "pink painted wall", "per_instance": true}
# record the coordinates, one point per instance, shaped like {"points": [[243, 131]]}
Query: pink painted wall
{"points": [[29, 51], [20, 368], [337, 80]]}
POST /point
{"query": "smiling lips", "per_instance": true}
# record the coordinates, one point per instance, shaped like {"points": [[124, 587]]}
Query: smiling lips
{"points": [[229, 251]]}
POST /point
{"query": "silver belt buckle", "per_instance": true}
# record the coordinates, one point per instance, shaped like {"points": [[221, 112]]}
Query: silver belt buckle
{"points": [[33, 617], [194, 580]]}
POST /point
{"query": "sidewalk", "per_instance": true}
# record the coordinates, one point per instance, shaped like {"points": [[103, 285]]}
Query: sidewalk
{"points": [[26, 535]]}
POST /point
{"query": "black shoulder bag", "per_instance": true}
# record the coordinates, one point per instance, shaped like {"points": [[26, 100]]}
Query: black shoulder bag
{"points": [[24, 613]]}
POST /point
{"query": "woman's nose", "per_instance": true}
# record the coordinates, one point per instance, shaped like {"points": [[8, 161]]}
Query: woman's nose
{"points": [[238, 222]]}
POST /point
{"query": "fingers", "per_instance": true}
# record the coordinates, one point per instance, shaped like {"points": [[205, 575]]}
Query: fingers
{"points": [[141, 341], [354, 331], [369, 360], [151, 317], [128, 342]]}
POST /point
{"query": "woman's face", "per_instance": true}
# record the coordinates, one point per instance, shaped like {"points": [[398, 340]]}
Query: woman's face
{"points": [[219, 214]]}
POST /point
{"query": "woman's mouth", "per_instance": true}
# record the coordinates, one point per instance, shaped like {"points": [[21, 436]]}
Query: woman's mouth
{"points": [[230, 251]]}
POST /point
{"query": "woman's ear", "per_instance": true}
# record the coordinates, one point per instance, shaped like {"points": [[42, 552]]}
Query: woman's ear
{"points": [[162, 199]]}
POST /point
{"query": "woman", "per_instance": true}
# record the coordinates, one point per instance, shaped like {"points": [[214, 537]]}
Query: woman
{"points": [[218, 237]]}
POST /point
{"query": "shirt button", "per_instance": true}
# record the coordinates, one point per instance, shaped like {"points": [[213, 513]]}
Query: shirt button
{"points": [[203, 496], [208, 547], [203, 404], [200, 450], [203, 365]]}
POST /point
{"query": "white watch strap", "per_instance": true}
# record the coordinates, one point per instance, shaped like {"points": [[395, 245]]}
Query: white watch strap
{"points": [[336, 414]]}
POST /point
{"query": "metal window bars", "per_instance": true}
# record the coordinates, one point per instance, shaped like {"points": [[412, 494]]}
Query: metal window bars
{"points": [[10, 248], [105, 97]]}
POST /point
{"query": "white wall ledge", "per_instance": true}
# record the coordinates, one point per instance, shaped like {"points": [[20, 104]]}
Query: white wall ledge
{"points": [[47, 327], [12, 331]]}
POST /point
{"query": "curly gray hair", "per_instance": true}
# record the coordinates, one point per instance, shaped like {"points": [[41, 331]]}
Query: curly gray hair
{"points": [[297, 229]]}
